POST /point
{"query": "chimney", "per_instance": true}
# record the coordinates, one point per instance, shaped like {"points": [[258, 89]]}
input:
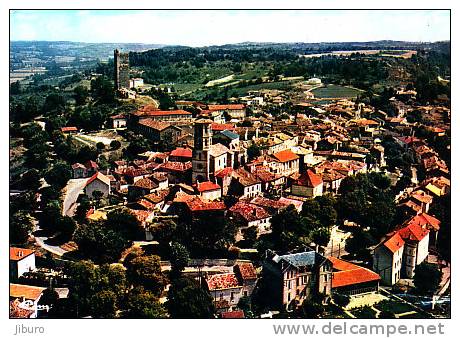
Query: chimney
{"points": [[20, 253]]}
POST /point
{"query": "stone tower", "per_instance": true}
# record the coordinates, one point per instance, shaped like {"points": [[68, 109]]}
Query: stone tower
{"points": [[121, 63], [202, 144]]}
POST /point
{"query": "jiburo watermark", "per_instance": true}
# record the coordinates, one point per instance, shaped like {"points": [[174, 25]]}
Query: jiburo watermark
{"points": [[341, 328], [22, 329]]}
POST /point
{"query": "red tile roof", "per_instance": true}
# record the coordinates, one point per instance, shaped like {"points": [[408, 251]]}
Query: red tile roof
{"points": [[424, 220], [249, 212], [17, 254], [67, 129], [413, 232], [197, 204], [151, 112], [98, 176], [222, 281], [182, 152], [224, 172], [246, 271], [394, 243], [222, 126], [26, 291], [145, 183], [237, 314], [422, 196], [309, 179], [350, 274], [285, 156], [207, 186], [176, 166], [226, 106], [157, 125]]}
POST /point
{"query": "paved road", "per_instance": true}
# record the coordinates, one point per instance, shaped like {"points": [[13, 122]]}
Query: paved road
{"points": [[41, 242]]}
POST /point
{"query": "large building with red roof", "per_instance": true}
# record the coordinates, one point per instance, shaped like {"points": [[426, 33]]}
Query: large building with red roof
{"points": [[352, 279], [400, 252]]}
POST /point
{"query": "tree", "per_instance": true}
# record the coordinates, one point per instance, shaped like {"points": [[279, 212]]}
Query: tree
{"points": [[54, 103], [245, 304], [179, 259], [103, 304], [321, 236], [21, 226], [123, 222], [50, 215], [100, 146], [145, 271], [253, 151], [358, 244], [386, 315], [49, 297], [83, 208], [188, 299], [102, 90], [427, 278], [341, 300], [115, 144], [30, 180], [143, 304], [67, 227], [59, 174], [250, 235], [100, 244], [80, 95], [289, 229]]}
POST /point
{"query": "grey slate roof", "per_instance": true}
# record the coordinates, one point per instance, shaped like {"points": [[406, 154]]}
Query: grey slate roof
{"points": [[308, 258], [230, 134]]}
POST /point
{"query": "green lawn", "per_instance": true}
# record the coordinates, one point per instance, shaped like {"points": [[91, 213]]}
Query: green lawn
{"points": [[394, 306], [417, 315], [335, 91], [365, 312]]}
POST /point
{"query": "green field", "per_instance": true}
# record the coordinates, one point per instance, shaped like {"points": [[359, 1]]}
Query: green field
{"points": [[335, 91]]}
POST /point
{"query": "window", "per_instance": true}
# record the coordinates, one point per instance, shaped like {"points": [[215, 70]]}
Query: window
{"points": [[245, 293], [221, 295], [232, 296], [289, 297]]}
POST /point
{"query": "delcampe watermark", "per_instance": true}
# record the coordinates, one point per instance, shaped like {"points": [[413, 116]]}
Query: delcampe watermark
{"points": [[342, 328]]}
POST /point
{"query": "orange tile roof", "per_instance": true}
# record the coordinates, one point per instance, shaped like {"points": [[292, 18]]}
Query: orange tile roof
{"points": [[26, 291], [147, 112], [222, 126], [66, 129], [17, 254], [422, 196], [249, 212], [246, 271], [226, 106], [237, 314], [285, 156], [197, 204], [207, 186], [351, 277], [309, 179], [413, 232], [157, 125], [394, 243], [350, 274], [222, 281], [182, 152], [425, 219]]}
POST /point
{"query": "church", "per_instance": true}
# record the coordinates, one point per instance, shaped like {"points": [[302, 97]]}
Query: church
{"points": [[208, 158]]}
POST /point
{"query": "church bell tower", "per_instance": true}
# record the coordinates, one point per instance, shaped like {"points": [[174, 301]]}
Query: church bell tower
{"points": [[200, 156]]}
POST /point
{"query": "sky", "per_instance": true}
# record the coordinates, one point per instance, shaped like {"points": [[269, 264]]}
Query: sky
{"points": [[217, 27]]}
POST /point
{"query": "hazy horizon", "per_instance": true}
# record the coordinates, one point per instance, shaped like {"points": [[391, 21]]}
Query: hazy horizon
{"points": [[199, 28]]}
